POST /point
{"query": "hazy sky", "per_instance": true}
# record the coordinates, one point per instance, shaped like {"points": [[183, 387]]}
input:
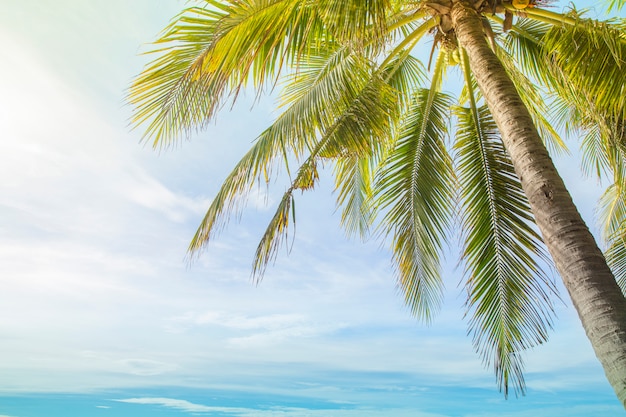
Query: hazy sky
{"points": [[97, 293]]}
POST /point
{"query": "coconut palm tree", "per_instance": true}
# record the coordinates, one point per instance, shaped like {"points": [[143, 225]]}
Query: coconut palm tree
{"points": [[358, 92]]}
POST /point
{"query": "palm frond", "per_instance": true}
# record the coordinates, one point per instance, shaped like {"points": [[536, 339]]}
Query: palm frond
{"points": [[354, 174], [594, 158], [616, 258], [614, 4], [612, 204], [354, 183], [353, 20], [275, 234], [232, 195], [356, 142], [603, 150], [523, 42], [414, 189], [316, 95], [174, 74], [365, 125], [603, 157], [277, 230], [208, 54], [405, 74], [508, 293], [612, 210], [589, 59]]}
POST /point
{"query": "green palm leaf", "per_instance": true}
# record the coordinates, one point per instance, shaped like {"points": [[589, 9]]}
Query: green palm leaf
{"points": [[405, 74], [158, 91], [590, 89], [594, 157], [616, 257], [508, 293], [277, 230], [414, 189], [354, 174], [615, 4], [315, 95], [590, 58], [349, 20], [209, 54], [523, 42], [315, 98], [612, 210], [354, 183]]}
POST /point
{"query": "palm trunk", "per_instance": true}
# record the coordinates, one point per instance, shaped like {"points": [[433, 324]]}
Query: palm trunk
{"points": [[595, 294]]}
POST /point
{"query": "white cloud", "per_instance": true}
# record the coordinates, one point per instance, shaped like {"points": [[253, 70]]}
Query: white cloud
{"points": [[144, 367], [261, 330], [146, 191], [190, 407], [241, 322], [185, 406]]}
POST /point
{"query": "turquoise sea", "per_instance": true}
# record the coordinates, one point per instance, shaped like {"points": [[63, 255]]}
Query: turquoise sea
{"points": [[177, 402]]}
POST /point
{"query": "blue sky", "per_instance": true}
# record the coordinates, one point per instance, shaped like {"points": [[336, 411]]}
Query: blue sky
{"points": [[101, 315]]}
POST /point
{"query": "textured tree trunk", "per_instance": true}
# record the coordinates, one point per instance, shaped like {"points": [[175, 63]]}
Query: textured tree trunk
{"points": [[595, 294]]}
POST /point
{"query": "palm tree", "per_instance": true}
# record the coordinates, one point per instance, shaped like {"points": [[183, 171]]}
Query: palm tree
{"points": [[355, 95]]}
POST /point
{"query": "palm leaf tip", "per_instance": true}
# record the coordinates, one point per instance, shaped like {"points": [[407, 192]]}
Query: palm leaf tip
{"points": [[275, 235]]}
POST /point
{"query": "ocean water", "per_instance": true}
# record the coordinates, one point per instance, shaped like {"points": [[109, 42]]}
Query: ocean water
{"points": [[177, 402], [161, 403]]}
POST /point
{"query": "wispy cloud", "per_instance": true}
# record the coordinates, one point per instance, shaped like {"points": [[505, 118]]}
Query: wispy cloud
{"points": [[146, 191], [186, 406], [255, 331], [239, 322]]}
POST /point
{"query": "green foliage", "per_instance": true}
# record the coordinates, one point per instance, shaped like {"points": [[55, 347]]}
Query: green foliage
{"points": [[507, 290], [616, 256], [615, 4], [414, 188]]}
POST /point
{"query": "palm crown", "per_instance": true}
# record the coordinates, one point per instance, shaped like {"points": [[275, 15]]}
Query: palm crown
{"points": [[360, 88]]}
